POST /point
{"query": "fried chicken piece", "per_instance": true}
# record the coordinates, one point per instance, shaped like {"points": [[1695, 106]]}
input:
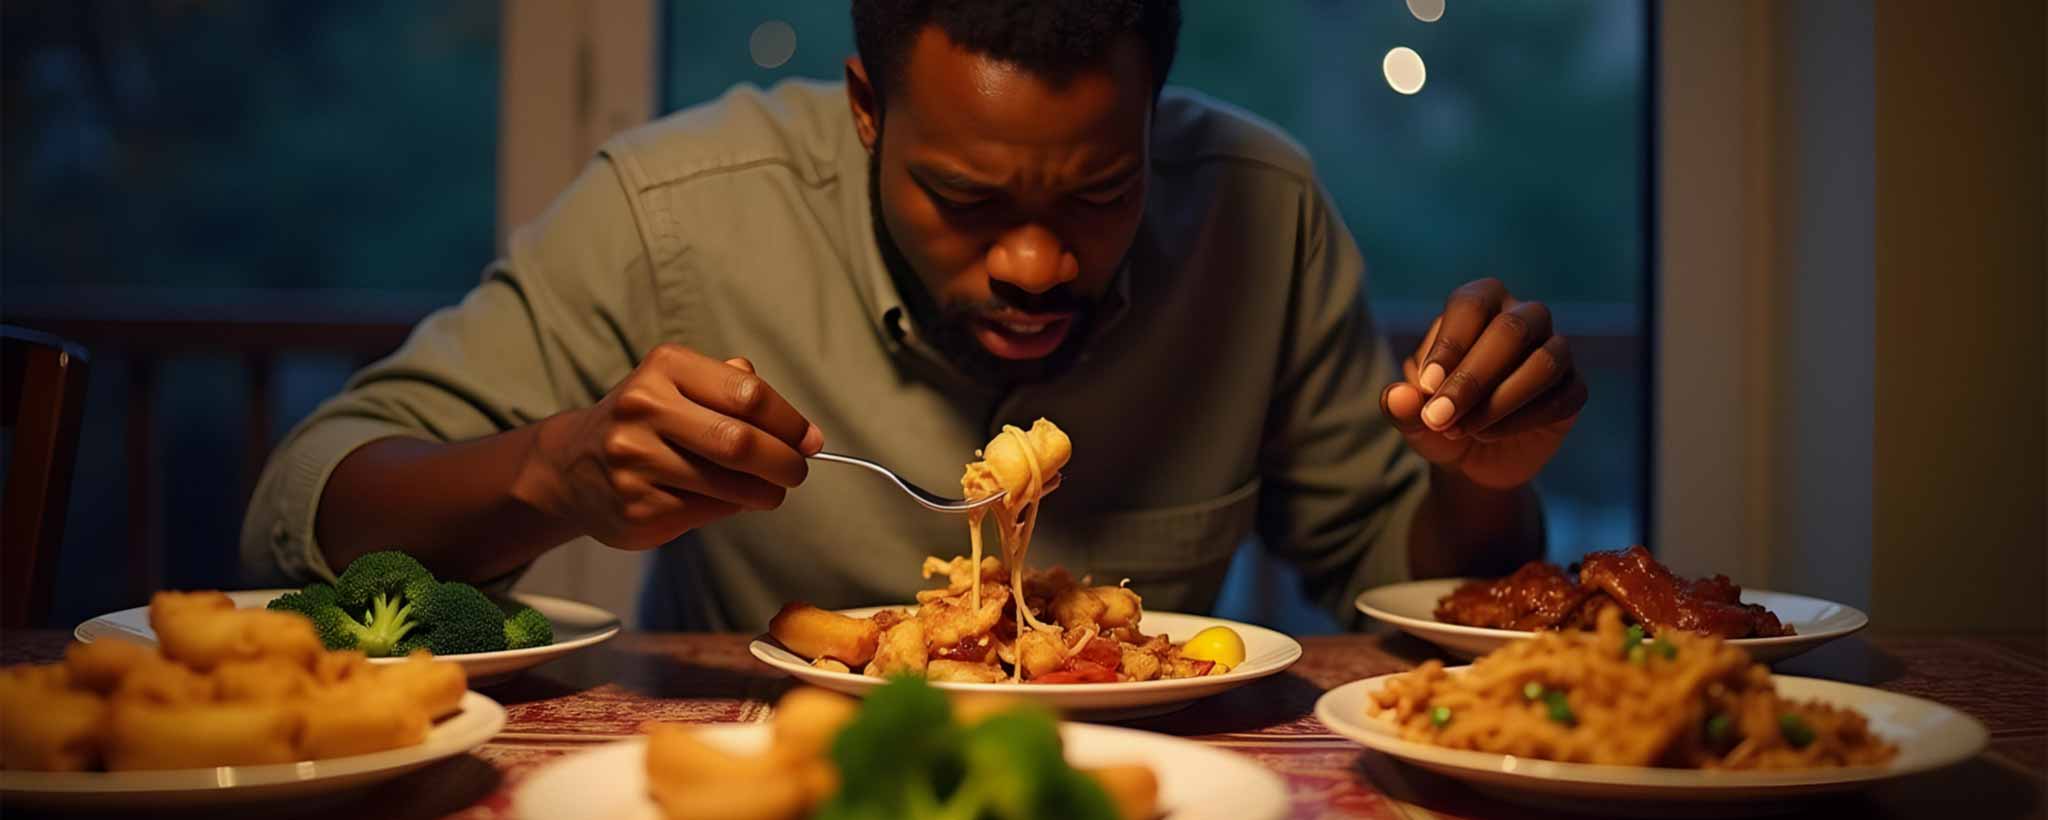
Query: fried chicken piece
{"points": [[1660, 600], [949, 621], [1105, 607], [1539, 595], [1040, 653], [816, 633], [902, 651]]}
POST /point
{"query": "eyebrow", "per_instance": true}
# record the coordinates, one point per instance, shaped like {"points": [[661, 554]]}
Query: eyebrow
{"points": [[953, 179]]}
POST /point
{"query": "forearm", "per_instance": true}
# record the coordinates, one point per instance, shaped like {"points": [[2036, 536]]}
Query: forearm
{"points": [[466, 510], [1462, 528]]}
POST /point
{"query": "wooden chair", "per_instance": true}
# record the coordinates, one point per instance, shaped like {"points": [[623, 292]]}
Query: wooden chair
{"points": [[43, 379]]}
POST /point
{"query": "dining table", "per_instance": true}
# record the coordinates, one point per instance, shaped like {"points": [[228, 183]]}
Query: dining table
{"points": [[606, 692]]}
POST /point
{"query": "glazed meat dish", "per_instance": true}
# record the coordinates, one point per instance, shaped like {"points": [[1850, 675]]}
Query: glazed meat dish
{"points": [[1541, 596]]}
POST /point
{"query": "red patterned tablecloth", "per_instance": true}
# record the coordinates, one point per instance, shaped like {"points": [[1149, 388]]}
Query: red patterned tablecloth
{"points": [[601, 694]]}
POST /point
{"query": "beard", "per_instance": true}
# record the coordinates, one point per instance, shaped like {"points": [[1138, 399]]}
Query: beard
{"points": [[949, 328]]}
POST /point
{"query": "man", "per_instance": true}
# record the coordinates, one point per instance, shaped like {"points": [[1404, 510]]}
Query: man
{"points": [[998, 216]]}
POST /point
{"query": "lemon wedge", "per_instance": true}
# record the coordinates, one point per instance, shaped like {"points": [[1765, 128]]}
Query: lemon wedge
{"points": [[1220, 644]]}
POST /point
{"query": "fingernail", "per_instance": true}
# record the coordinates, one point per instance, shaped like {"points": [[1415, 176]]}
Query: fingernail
{"points": [[1432, 377], [1439, 411], [814, 440]]}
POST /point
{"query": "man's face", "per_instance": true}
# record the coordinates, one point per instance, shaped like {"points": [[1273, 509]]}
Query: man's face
{"points": [[1013, 197]]}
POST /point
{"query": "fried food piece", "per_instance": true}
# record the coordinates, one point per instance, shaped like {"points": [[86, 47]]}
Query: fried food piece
{"points": [[436, 687], [263, 679], [831, 665], [1139, 664], [1106, 607], [1539, 595], [1655, 597], [949, 622], [1133, 788], [169, 604], [964, 671], [336, 668], [206, 639], [960, 575], [360, 718], [807, 719], [1040, 653], [902, 651], [1004, 466], [47, 726], [675, 757], [816, 633], [145, 735], [778, 798], [99, 666], [159, 682]]}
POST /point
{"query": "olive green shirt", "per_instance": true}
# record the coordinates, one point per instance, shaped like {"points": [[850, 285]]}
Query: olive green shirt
{"points": [[1232, 387]]}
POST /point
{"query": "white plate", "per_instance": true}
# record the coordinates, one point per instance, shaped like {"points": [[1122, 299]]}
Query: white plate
{"points": [[1195, 781], [577, 625], [480, 718], [1928, 734], [1265, 653], [1412, 608]]}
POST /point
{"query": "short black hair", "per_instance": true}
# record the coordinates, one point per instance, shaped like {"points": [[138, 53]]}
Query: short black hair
{"points": [[1047, 37]]}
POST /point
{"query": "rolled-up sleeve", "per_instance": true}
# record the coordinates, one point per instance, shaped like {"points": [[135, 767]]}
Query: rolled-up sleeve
{"points": [[553, 325], [1340, 485]]}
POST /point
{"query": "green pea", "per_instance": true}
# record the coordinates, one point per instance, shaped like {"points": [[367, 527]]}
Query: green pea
{"points": [[1718, 728], [1560, 710], [1637, 655], [1532, 690], [1632, 639], [1795, 730], [1666, 648], [1441, 716]]}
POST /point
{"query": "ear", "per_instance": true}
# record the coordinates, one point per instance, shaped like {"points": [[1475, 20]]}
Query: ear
{"points": [[867, 109]]}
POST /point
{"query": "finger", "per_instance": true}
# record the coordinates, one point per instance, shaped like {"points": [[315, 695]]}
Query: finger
{"points": [[692, 428], [1413, 364], [1465, 315], [1508, 338], [814, 438], [1401, 403], [668, 513], [661, 466], [731, 391], [1559, 407], [1545, 368]]}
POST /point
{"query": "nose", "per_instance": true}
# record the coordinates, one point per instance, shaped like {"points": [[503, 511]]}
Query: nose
{"points": [[1032, 258]]}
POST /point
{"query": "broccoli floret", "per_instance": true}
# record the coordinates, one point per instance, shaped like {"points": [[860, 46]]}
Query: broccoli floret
{"points": [[390, 573], [527, 628], [461, 620], [317, 602], [376, 632]]}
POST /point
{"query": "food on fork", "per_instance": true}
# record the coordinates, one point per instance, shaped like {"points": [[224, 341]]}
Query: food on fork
{"points": [[1540, 596], [1616, 696], [908, 752], [995, 621], [225, 687]]}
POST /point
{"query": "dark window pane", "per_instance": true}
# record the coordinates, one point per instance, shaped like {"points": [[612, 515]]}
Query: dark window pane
{"points": [[303, 144]]}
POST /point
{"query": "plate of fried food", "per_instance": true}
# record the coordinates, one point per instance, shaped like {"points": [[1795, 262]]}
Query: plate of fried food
{"points": [[1470, 617], [909, 751], [387, 605], [1615, 715], [233, 705], [1088, 649]]}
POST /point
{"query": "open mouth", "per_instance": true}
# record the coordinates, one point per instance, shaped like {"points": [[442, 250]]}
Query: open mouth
{"points": [[1013, 335]]}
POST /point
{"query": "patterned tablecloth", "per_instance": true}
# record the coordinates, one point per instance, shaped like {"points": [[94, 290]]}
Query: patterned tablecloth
{"points": [[603, 693]]}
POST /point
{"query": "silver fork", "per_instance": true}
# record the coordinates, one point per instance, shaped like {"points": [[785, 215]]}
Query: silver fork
{"points": [[927, 498]]}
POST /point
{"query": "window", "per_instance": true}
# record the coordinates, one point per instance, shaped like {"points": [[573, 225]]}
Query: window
{"points": [[202, 159], [1525, 155]]}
